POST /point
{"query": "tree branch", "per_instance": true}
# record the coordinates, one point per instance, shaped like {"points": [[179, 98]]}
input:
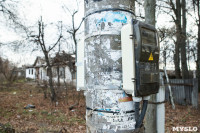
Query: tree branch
{"points": [[55, 43]]}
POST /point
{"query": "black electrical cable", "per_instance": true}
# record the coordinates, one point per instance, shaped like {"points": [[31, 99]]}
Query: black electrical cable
{"points": [[110, 9], [150, 102], [108, 111], [103, 10], [142, 114], [137, 109]]}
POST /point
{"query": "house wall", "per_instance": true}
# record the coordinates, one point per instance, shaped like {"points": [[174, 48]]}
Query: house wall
{"points": [[30, 73], [68, 75], [19, 74], [43, 73], [38, 63]]}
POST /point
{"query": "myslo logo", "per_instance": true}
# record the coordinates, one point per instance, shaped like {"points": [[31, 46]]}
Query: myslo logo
{"points": [[185, 129]]}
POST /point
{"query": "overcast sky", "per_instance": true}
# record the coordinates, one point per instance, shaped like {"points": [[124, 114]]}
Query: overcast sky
{"points": [[52, 11], [30, 12]]}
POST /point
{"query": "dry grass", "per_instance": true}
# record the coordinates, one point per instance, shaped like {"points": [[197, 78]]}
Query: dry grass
{"points": [[184, 116], [47, 117]]}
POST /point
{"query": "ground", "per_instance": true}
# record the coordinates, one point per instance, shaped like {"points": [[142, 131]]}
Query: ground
{"points": [[45, 117], [182, 116], [62, 116]]}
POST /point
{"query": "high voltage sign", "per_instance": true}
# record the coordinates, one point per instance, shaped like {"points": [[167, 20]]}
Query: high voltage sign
{"points": [[151, 57]]}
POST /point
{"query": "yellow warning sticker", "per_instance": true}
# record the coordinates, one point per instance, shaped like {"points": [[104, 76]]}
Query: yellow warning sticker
{"points": [[151, 57]]}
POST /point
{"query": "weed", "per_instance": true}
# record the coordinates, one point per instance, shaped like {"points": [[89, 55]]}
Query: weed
{"points": [[76, 120], [6, 128], [44, 112]]}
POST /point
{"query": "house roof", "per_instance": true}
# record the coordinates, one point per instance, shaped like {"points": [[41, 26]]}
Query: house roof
{"points": [[20, 69], [60, 59], [40, 60], [64, 59]]}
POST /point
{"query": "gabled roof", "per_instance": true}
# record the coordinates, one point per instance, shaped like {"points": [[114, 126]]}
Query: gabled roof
{"points": [[64, 59], [41, 60], [60, 59]]}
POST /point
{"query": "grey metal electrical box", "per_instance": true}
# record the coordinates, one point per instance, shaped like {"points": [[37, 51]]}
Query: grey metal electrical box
{"points": [[140, 59]]}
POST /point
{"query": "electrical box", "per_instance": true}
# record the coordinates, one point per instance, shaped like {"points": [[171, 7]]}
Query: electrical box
{"points": [[140, 59], [80, 73], [128, 60]]}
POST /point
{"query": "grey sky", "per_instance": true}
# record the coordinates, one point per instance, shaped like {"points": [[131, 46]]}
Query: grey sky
{"points": [[52, 12], [30, 11]]}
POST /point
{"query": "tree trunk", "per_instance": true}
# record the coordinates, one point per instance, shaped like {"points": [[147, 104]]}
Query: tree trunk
{"points": [[58, 73], [185, 72], [198, 57], [198, 47], [75, 42], [177, 61], [165, 57], [49, 69], [178, 39], [66, 86]]}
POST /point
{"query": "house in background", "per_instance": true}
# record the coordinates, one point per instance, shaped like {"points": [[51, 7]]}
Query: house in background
{"points": [[63, 66], [30, 72], [19, 72]]}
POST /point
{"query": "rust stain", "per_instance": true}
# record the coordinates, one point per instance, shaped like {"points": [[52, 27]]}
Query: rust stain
{"points": [[125, 99]]}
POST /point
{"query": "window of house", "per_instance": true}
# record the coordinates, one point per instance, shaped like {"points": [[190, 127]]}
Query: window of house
{"points": [[29, 71], [48, 72], [61, 72], [41, 74], [74, 75], [32, 71]]}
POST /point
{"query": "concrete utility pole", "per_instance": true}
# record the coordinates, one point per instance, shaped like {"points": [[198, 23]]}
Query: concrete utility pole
{"points": [[150, 118], [109, 108]]}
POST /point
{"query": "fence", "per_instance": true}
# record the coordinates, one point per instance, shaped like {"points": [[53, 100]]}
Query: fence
{"points": [[185, 91]]}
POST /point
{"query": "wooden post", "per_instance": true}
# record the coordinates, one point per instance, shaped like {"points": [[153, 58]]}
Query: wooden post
{"points": [[195, 93], [170, 91]]}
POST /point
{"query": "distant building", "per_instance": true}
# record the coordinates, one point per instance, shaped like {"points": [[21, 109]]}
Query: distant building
{"points": [[63, 65], [19, 72], [32, 72]]}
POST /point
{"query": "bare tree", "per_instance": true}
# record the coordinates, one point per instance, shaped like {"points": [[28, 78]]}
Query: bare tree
{"points": [[196, 8], [177, 19], [185, 72], [73, 30], [40, 41], [7, 10], [166, 36], [9, 13], [7, 69], [177, 11]]}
